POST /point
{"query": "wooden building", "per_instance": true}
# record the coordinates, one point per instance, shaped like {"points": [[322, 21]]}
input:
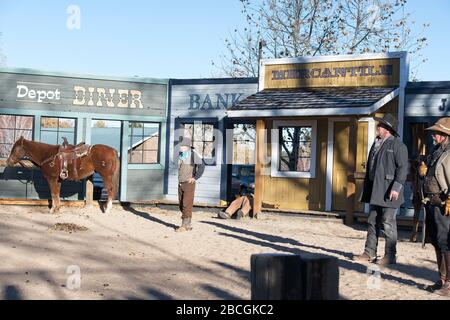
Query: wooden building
{"points": [[314, 126], [425, 103], [197, 110], [120, 112]]}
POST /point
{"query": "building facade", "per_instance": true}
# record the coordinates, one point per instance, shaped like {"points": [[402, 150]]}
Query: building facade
{"points": [[198, 110], [314, 123], [425, 103], [119, 112]]}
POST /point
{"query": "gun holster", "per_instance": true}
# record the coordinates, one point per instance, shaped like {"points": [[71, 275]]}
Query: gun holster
{"points": [[436, 200]]}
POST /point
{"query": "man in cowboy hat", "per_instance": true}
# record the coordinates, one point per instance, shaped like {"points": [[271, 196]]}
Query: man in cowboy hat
{"points": [[436, 175], [190, 169], [387, 168]]}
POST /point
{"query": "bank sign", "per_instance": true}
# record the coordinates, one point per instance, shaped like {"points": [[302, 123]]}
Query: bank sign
{"points": [[82, 94]]}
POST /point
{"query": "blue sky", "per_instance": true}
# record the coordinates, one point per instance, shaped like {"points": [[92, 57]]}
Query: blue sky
{"points": [[160, 39]]}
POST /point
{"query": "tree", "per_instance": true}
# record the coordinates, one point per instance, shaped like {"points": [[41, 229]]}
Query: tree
{"points": [[292, 28]]}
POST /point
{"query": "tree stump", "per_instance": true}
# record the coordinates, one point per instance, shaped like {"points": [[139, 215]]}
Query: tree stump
{"points": [[294, 277]]}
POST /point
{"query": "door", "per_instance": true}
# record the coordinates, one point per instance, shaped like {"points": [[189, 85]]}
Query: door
{"points": [[241, 159], [340, 160], [107, 132]]}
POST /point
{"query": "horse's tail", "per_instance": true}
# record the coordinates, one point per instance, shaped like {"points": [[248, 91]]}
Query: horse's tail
{"points": [[116, 176]]}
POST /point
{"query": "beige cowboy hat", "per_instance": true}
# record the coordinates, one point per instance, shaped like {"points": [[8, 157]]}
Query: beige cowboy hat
{"points": [[443, 125], [389, 121]]}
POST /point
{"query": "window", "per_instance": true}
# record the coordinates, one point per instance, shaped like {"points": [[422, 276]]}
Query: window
{"points": [[144, 143], [11, 128], [293, 149], [53, 130], [202, 137], [244, 139]]}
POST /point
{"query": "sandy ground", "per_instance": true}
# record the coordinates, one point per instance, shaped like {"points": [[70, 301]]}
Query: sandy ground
{"points": [[135, 254]]}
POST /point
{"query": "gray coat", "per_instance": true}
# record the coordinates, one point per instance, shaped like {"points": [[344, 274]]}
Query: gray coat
{"points": [[390, 173]]}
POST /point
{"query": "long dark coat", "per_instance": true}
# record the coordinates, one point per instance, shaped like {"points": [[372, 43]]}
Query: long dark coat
{"points": [[391, 167]]}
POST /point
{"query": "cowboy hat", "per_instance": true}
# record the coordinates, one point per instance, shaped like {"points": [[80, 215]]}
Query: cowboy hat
{"points": [[390, 122], [442, 125]]}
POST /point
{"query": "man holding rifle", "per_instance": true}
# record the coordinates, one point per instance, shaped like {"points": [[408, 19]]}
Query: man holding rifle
{"points": [[436, 184]]}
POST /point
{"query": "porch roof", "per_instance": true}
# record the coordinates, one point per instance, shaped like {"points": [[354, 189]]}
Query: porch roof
{"points": [[313, 102]]}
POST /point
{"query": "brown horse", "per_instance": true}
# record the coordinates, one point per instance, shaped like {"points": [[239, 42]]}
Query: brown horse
{"points": [[53, 158]]}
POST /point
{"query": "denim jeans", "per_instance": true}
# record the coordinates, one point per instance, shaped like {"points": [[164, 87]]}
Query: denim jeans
{"points": [[438, 226], [378, 217]]}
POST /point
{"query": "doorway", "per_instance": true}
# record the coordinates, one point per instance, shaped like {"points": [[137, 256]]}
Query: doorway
{"points": [[107, 132], [241, 151]]}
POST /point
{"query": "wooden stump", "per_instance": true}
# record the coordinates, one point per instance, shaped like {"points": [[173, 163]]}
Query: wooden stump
{"points": [[294, 277]]}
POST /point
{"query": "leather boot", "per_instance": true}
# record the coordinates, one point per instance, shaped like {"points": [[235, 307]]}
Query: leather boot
{"points": [[441, 270], [388, 259], [364, 258], [185, 225], [445, 290]]}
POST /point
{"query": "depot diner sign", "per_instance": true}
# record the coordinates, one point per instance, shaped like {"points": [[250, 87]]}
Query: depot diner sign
{"points": [[82, 96]]}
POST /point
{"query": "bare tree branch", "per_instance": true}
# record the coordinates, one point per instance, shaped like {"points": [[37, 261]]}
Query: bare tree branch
{"points": [[310, 27]]}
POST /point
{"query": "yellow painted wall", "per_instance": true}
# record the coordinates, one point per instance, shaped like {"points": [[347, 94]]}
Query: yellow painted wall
{"points": [[299, 193]]}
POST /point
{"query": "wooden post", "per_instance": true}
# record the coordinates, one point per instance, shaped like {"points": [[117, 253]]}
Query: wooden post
{"points": [[294, 277], [351, 168], [260, 145], [90, 191]]}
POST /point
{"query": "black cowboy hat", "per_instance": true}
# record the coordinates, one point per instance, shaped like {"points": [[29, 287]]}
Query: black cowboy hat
{"points": [[389, 122]]}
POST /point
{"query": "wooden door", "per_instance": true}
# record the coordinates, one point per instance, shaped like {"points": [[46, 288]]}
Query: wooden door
{"points": [[340, 159]]}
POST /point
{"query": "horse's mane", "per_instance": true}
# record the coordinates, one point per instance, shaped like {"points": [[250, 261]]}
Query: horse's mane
{"points": [[41, 144]]}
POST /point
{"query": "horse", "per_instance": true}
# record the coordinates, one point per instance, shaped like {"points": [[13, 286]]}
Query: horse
{"points": [[58, 163]]}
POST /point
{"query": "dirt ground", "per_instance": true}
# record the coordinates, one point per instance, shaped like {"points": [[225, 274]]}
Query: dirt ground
{"points": [[135, 254]]}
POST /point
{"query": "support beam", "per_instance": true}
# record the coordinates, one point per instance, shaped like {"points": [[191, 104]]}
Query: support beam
{"points": [[260, 145], [90, 191], [351, 168]]}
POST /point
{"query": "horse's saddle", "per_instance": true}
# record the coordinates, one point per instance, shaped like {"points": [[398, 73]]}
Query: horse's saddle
{"points": [[68, 154]]}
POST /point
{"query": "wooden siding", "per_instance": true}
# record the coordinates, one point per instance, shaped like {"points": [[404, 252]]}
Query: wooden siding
{"points": [[145, 184], [137, 183], [299, 193], [427, 105], [30, 184], [206, 106]]}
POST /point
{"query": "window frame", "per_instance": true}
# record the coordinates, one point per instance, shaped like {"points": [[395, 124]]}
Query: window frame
{"points": [[275, 155], [237, 141], [15, 138], [183, 121], [43, 129], [130, 139]]}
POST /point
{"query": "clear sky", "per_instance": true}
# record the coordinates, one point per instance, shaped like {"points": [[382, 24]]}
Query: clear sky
{"points": [[159, 39]]}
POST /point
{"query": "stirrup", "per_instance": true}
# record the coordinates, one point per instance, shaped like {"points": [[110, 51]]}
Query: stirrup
{"points": [[64, 174]]}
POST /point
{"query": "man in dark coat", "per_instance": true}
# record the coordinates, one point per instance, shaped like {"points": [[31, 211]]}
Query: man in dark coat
{"points": [[190, 169], [387, 168]]}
